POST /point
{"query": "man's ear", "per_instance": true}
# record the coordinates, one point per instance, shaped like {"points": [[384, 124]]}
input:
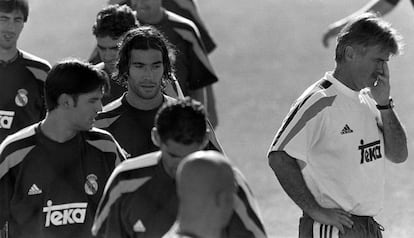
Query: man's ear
{"points": [[155, 137], [65, 101], [350, 53]]}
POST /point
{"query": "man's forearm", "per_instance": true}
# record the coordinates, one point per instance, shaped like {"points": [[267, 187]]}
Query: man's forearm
{"points": [[395, 139], [290, 177]]}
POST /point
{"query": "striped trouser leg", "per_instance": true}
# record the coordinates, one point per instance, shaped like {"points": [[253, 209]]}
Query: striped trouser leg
{"points": [[324, 231], [363, 227]]}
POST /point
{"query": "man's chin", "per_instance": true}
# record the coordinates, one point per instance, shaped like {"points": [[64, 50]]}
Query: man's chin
{"points": [[7, 46], [148, 94], [88, 127]]}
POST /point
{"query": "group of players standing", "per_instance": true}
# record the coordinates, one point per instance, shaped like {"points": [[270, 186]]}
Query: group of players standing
{"points": [[61, 176], [154, 168]]}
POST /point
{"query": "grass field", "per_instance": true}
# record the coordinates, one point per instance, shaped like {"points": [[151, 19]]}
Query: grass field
{"points": [[268, 52]]}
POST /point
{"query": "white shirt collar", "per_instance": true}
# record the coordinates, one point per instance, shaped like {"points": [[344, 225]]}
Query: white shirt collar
{"points": [[340, 86]]}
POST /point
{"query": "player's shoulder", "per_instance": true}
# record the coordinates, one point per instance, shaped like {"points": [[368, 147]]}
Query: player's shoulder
{"points": [[115, 106], [18, 137], [246, 201], [130, 175], [38, 66], [126, 179], [318, 94], [139, 164], [97, 133], [36, 60], [15, 147], [186, 8], [103, 141], [241, 180], [320, 88], [99, 138], [110, 113], [141, 168], [182, 23]]}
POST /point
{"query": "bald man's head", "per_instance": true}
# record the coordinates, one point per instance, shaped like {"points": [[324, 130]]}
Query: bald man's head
{"points": [[205, 186]]}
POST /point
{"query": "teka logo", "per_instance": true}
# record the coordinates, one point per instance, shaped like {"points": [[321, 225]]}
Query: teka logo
{"points": [[64, 214], [6, 119], [370, 151]]}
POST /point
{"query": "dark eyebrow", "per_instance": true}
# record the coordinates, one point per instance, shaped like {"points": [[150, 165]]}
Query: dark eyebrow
{"points": [[103, 47], [141, 63], [94, 99]]}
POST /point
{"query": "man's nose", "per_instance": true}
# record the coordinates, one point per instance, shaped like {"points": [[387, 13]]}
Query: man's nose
{"points": [[148, 72], [9, 25]]}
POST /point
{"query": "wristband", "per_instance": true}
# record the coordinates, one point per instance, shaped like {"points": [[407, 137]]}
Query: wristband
{"points": [[390, 105]]}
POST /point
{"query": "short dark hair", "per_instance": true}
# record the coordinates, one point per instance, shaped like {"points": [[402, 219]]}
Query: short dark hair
{"points": [[9, 6], [183, 121], [114, 21], [145, 38], [368, 30], [72, 77]]}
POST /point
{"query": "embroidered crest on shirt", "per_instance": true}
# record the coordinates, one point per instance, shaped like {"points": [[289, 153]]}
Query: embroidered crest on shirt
{"points": [[91, 184], [21, 98], [34, 190], [139, 226], [346, 130]]}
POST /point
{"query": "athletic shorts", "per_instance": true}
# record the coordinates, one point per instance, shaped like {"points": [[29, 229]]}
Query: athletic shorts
{"points": [[364, 227]]}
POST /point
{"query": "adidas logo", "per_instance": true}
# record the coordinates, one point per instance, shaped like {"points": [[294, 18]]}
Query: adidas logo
{"points": [[346, 130], [139, 226], [34, 189]]}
